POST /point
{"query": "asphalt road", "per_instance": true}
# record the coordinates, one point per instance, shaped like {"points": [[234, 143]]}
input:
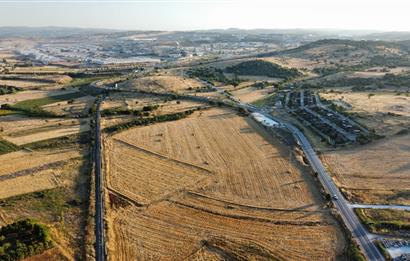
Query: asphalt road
{"points": [[99, 199], [349, 217]]}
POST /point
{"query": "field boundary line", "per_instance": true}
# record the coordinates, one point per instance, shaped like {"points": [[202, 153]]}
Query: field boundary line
{"points": [[130, 200], [191, 165], [251, 218], [26, 172], [192, 193]]}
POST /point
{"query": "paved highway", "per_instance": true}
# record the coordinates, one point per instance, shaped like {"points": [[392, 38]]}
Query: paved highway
{"points": [[352, 222], [99, 198]]}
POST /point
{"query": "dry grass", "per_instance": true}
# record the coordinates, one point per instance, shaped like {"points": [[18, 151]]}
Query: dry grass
{"points": [[136, 101], [292, 62], [54, 207], [30, 95], [22, 130], [23, 160], [252, 94], [162, 83], [42, 180], [375, 173], [386, 113], [77, 106], [35, 82], [212, 181]]}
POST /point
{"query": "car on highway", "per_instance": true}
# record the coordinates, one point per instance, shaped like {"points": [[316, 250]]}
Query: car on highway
{"points": [[335, 197]]}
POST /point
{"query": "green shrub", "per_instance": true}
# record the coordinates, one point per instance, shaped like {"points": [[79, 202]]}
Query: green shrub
{"points": [[22, 239]]}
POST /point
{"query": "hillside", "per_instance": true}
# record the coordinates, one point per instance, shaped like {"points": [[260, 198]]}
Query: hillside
{"points": [[263, 68]]}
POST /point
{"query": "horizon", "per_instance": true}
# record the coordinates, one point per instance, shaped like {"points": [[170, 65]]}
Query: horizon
{"points": [[191, 15]]}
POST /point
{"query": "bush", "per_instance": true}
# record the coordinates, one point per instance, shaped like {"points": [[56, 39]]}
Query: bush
{"points": [[22, 239]]}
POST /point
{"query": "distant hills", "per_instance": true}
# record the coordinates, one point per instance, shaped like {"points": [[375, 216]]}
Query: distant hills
{"points": [[307, 34], [50, 31]]}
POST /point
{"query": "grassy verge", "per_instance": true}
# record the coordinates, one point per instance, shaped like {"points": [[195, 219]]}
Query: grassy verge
{"points": [[385, 221], [383, 250], [82, 138], [6, 147], [353, 251], [7, 112]]}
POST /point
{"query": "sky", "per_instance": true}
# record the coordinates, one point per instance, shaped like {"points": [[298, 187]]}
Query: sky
{"points": [[382, 15]]}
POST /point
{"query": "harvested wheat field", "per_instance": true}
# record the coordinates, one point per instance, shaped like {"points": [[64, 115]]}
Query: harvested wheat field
{"points": [[162, 83], [20, 130], [374, 173], [212, 186]]}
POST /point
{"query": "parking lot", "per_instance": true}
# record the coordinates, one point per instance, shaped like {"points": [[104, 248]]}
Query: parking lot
{"points": [[398, 249]]}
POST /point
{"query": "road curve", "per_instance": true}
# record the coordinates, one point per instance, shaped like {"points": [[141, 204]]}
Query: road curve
{"points": [[99, 199], [350, 219]]}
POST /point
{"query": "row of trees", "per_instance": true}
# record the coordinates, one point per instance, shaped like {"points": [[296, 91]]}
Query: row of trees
{"points": [[149, 120]]}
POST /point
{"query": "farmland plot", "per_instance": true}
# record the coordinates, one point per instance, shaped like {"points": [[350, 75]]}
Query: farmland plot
{"points": [[13, 163], [30, 95], [212, 181], [375, 173], [20, 130], [73, 107]]}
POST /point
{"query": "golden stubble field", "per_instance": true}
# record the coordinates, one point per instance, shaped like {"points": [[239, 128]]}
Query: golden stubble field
{"points": [[208, 187], [374, 173]]}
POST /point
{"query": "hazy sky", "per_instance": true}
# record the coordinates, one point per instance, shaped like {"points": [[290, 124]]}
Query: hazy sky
{"points": [[202, 14]]}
